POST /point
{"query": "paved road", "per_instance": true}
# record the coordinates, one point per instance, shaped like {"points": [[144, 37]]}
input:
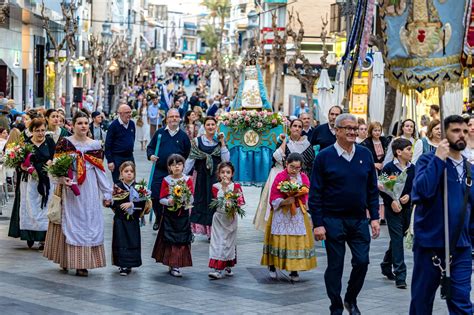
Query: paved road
{"points": [[29, 284]]}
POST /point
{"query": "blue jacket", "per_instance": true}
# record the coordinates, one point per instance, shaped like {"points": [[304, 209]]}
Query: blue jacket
{"points": [[427, 194]]}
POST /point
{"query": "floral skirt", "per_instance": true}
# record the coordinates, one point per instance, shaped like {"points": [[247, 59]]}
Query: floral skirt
{"points": [[289, 252]]}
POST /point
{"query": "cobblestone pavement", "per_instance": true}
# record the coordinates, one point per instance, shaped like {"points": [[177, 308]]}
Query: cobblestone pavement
{"points": [[29, 284]]}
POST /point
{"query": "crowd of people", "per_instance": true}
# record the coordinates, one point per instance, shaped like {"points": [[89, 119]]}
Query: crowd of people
{"points": [[333, 169]]}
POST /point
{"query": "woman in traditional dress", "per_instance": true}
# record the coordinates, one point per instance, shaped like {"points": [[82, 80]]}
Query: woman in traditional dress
{"points": [[468, 152], [142, 125], [78, 243], [54, 130], [35, 186], [21, 176], [206, 154], [191, 124], [407, 131], [173, 243], [289, 241], [433, 136], [295, 143]]}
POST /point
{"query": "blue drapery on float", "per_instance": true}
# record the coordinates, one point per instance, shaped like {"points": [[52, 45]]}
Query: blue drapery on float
{"points": [[423, 41]]}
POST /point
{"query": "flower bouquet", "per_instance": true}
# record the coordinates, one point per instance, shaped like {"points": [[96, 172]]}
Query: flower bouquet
{"points": [[144, 194], [293, 189], [231, 203], [181, 195], [393, 185], [16, 154], [62, 167], [258, 121]]}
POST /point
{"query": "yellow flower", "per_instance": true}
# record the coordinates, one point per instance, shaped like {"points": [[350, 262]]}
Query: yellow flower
{"points": [[177, 191], [228, 195]]}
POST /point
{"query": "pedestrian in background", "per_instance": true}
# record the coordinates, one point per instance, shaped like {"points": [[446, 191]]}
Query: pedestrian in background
{"points": [[343, 186]]}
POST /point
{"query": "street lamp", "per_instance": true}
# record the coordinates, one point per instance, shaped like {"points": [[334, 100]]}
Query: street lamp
{"points": [[107, 38]]}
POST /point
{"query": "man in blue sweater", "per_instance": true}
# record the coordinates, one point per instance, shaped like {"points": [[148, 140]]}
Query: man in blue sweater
{"points": [[172, 141], [120, 141], [325, 135], [428, 246], [343, 186]]}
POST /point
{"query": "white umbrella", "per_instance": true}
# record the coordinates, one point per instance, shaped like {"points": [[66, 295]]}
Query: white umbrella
{"points": [[325, 98], [339, 85], [453, 100], [377, 90], [172, 64]]}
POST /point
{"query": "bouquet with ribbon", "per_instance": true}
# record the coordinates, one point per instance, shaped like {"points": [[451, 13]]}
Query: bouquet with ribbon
{"points": [[62, 167], [393, 185], [19, 154], [231, 203], [144, 194], [181, 195], [295, 190]]}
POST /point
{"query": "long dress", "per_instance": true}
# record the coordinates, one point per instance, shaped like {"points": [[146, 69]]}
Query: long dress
{"points": [[223, 246], [78, 243], [201, 215], [14, 227], [143, 132], [303, 146], [35, 193], [288, 243], [126, 239], [173, 243]]}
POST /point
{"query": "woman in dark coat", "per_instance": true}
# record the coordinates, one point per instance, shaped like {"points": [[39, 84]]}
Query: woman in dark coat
{"points": [[377, 144]]}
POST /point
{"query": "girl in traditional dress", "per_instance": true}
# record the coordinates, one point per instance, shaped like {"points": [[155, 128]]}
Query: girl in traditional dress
{"points": [[295, 143], [35, 186], [407, 131], [142, 125], [126, 240], [78, 242], [21, 176], [206, 153], [223, 247], [173, 243], [289, 242], [54, 130]]}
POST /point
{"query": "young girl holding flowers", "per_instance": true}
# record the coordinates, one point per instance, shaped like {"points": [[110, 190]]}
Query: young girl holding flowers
{"points": [[173, 243], [128, 207], [228, 198], [289, 243]]}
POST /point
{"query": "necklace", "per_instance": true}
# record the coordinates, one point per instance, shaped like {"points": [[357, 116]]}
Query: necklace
{"points": [[456, 166]]}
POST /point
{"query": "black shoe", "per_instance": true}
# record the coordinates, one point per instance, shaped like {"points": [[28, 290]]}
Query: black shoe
{"points": [[401, 284], [352, 308], [156, 226], [30, 243], [389, 274], [383, 222]]}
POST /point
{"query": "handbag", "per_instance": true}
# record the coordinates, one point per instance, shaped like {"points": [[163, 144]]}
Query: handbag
{"points": [[55, 206], [140, 122]]}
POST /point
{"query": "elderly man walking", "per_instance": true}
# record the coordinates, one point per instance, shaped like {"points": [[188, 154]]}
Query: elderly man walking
{"points": [[343, 186], [172, 141], [120, 140]]}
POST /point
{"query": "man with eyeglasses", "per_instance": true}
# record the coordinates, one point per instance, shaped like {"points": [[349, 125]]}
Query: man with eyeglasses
{"points": [[343, 186], [120, 140], [325, 135]]}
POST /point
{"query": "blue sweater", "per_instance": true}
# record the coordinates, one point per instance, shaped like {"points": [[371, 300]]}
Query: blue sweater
{"points": [[392, 169], [323, 137], [427, 194], [343, 189], [119, 141], [178, 144]]}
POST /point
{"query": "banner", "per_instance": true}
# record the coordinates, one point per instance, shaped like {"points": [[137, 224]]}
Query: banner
{"points": [[424, 41]]}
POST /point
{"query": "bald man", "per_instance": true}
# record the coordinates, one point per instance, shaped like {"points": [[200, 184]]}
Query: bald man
{"points": [[120, 140]]}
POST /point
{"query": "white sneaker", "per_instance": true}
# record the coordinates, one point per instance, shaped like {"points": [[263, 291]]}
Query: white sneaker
{"points": [[228, 272], [273, 274], [216, 274], [294, 277], [175, 272]]}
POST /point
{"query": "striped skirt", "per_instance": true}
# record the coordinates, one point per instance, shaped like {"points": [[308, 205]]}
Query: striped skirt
{"points": [[70, 256]]}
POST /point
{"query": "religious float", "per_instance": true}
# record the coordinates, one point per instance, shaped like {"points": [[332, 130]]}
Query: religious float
{"points": [[251, 128]]}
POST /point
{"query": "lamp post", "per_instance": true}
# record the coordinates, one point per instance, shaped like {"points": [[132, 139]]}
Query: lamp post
{"points": [[106, 37]]}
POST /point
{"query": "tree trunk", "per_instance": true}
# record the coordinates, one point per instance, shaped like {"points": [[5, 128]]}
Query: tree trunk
{"points": [[277, 87], [57, 79], [309, 96], [390, 100]]}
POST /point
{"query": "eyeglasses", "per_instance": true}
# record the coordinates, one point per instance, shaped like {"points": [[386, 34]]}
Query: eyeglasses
{"points": [[348, 129], [295, 168]]}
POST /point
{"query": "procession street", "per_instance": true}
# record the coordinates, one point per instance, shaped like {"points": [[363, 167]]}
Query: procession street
{"points": [[30, 284]]}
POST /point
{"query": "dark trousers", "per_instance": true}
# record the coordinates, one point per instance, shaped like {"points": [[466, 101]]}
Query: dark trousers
{"points": [[398, 224], [118, 160], [155, 198], [355, 233], [152, 130], [426, 278]]}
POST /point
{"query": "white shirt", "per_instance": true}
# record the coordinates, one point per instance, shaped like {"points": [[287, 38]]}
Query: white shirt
{"points": [[396, 162], [333, 130], [122, 123], [172, 132], [341, 152]]}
